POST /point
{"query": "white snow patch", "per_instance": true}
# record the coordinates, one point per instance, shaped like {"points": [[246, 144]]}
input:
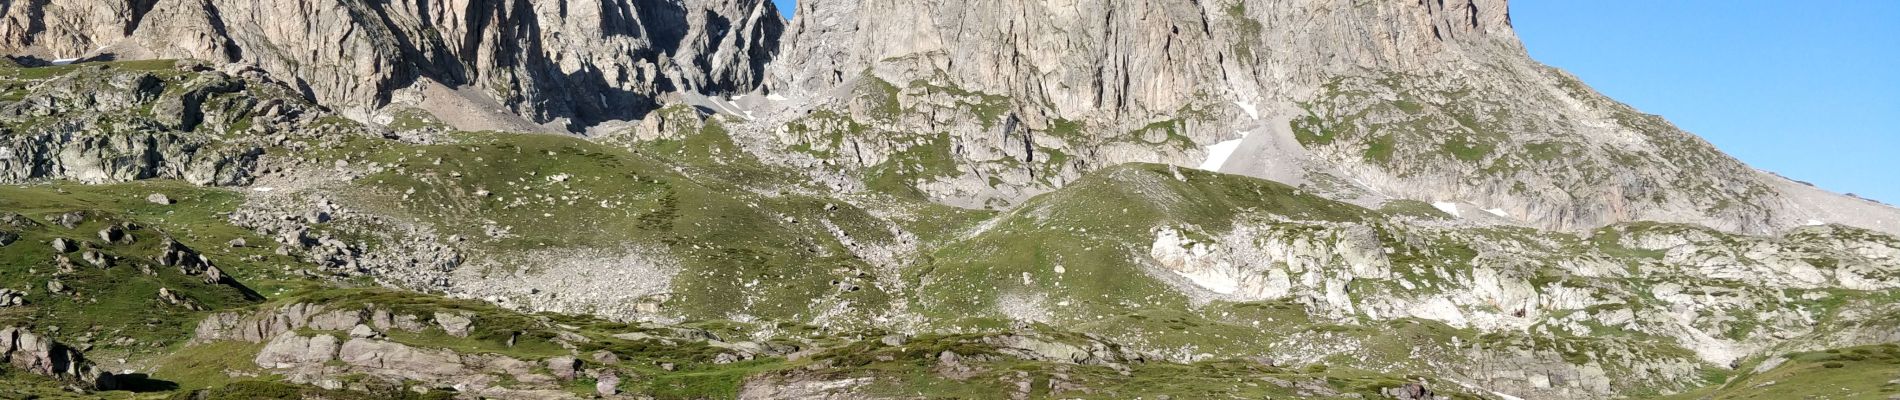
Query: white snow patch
{"points": [[65, 61], [1816, 222], [1498, 212], [263, 189], [1506, 396], [1252, 112], [1217, 154], [1448, 208], [776, 97]]}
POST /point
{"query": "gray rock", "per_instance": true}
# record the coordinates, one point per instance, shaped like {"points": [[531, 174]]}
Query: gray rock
{"points": [[291, 351], [70, 220], [97, 259], [564, 368], [64, 245], [12, 298], [8, 237], [622, 53], [607, 384], [454, 324], [114, 234], [365, 332], [606, 357], [159, 198], [55, 287], [894, 340], [40, 355]]}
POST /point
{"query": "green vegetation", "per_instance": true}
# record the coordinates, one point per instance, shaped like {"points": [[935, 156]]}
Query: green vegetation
{"points": [[1864, 372], [98, 301]]}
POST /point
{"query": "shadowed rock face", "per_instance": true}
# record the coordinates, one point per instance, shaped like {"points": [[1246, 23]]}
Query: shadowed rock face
{"points": [[574, 62]]}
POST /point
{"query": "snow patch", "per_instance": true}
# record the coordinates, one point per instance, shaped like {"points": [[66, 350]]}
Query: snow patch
{"points": [[1217, 154], [1506, 396], [1448, 208], [1252, 112], [65, 61], [1816, 222], [1498, 212], [263, 189], [776, 97]]}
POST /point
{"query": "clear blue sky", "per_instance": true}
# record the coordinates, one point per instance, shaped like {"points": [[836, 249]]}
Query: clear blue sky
{"points": [[1807, 89], [1810, 90]]}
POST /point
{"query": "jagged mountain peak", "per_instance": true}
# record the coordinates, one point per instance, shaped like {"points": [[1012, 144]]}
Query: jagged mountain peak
{"points": [[568, 63]]}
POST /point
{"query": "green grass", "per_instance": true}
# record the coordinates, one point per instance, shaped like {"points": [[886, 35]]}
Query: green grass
{"points": [[1848, 374], [1089, 228], [107, 296]]}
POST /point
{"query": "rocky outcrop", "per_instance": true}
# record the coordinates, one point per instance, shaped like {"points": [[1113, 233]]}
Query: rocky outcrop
{"points": [[578, 62], [104, 124], [40, 355]]}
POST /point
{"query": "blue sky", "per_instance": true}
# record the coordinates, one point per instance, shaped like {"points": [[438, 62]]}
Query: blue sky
{"points": [[1807, 89], [1810, 90]]}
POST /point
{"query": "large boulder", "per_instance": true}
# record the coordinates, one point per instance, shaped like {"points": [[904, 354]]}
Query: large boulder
{"points": [[40, 355]]}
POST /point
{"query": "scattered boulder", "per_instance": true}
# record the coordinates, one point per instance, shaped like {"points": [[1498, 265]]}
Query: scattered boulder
{"points": [[64, 245], [42, 356], [56, 287], [159, 198], [608, 384], [115, 234], [16, 220], [456, 325], [236, 243], [213, 275], [170, 297], [70, 220], [12, 298], [65, 264], [8, 237], [1411, 391], [606, 357], [894, 340], [97, 259]]}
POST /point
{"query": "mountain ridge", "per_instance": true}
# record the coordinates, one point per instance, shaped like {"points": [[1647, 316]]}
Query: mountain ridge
{"points": [[893, 199]]}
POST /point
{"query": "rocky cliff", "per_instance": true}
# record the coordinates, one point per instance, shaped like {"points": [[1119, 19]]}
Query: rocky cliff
{"points": [[573, 63], [1371, 101]]}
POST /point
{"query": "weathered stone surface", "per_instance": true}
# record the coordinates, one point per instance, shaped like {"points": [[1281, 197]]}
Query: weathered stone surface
{"points": [[455, 324], [40, 355], [287, 351]]}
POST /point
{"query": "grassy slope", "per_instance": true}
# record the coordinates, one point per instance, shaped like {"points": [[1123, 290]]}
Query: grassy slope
{"points": [[1868, 372]]}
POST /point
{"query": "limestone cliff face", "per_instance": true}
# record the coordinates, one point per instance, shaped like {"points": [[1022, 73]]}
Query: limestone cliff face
{"points": [[1096, 59], [1369, 101], [577, 62]]}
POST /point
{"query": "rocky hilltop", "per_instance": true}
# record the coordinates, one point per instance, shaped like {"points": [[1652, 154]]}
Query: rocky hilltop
{"points": [[889, 199]]}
